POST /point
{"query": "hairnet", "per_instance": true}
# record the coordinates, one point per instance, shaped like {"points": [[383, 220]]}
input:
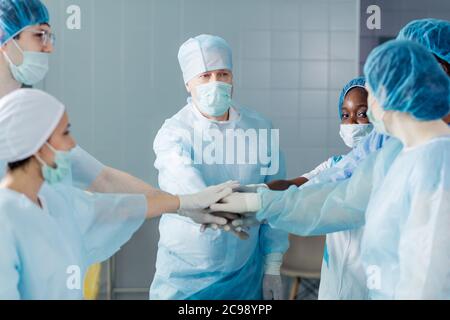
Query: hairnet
{"points": [[433, 34], [28, 118], [404, 76], [204, 53], [16, 15]]}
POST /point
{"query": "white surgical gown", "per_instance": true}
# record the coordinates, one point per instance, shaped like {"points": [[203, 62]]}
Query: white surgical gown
{"points": [[213, 264], [406, 243]]}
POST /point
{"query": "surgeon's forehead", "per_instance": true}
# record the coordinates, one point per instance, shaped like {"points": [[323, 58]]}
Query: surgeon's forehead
{"points": [[220, 70], [39, 27]]}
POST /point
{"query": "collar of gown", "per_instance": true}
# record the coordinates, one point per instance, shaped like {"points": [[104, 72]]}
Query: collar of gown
{"points": [[235, 117]]}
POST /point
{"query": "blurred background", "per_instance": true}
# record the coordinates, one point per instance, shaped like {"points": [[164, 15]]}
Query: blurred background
{"points": [[119, 76]]}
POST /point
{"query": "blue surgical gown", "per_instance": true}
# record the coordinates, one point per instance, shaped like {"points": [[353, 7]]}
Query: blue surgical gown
{"points": [[406, 243], [340, 208], [213, 264], [44, 250]]}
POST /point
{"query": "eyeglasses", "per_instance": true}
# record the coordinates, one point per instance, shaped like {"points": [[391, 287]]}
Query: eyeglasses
{"points": [[46, 36]]}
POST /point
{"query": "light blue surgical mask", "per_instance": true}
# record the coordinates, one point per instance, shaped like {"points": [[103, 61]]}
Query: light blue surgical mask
{"points": [[214, 98], [33, 69], [63, 170], [377, 124]]}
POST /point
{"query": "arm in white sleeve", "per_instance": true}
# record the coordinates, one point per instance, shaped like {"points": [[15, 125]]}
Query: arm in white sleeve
{"points": [[177, 173], [321, 167], [85, 168]]}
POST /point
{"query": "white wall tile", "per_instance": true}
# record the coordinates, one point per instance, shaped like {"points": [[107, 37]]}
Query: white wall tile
{"points": [[313, 132], [341, 72], [314, 74], [313, 104], [285, 103], [285, 74], [343, 45], [314, 15], [314, 45], [256, 74], [284, 15], [256, 44], [285, 44], [343, 15]]}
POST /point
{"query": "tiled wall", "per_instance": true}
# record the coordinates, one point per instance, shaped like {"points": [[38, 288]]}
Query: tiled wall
{"points": [[394, 15], [120, 79]]}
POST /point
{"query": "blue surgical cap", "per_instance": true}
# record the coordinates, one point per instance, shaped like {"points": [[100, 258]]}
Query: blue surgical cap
{"points": [[404, 76], [16, 15], [359, 82], [204, 53], [433, 34]]}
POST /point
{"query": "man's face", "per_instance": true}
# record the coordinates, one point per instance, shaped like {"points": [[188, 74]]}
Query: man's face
{"points": [[30, 39], [222, 75]]}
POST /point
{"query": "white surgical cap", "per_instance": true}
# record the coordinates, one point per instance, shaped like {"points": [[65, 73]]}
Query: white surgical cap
{"points": [[204, 53], [28, 118]]}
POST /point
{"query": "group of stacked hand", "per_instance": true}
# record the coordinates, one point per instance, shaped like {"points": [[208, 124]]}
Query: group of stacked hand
{"points": [[228, 206]]}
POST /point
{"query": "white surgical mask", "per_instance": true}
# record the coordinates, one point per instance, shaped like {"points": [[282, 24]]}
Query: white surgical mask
{"points": [[214, 98], [353, 134], [33, 69]]}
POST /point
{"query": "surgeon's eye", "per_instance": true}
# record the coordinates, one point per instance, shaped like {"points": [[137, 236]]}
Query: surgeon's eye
{"points": [[205, 76], [362, 114], [345, 116]]}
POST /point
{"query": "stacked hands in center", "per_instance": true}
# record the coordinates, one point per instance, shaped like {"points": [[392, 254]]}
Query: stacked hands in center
{"points": [[228, 206]]}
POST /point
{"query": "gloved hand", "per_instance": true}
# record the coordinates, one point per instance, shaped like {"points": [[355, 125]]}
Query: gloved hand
{"points": [[238, 232], [194, 206], [272, 284], [238, 203], [246, 220], [272, 287], [241, 233], [251, 188]]}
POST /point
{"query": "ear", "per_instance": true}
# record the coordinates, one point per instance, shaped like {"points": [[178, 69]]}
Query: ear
{"points": [[188, 89]]}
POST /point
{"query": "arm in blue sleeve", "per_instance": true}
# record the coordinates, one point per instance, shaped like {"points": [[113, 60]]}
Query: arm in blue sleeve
{"points": [[106, 221], [345, 168], [319, 207], [85, 168], [274, 240], [9, 264]]}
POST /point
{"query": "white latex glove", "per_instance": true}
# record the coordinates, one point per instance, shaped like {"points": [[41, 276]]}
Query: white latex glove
{"points": [[239, 203], [272, 287], [241, 233], [272, 284], [194, 206], [251, 188]]}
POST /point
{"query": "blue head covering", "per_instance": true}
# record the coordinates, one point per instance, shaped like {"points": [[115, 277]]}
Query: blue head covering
{"points": [[433, 34], [404, 76], [204, 53], [359, 82], [16, 15]]}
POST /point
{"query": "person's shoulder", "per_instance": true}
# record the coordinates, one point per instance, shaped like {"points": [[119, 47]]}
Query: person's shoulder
{"points": [[10, 205], [431, 162]]}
